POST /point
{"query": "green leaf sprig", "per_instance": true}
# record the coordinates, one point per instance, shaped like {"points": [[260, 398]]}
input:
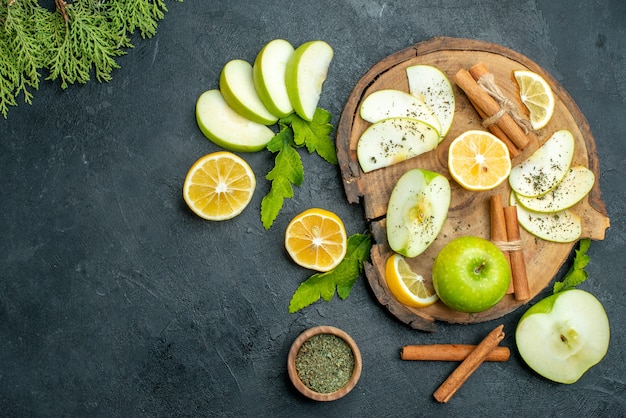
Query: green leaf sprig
{"points": [[294, 132], [72, 41], [341, 278], [576, 273]]}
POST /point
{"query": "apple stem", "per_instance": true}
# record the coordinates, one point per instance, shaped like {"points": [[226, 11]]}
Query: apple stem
{"points": [[480, 268]]}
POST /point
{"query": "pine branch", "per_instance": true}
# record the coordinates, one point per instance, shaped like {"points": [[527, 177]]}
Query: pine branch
{"points": [[79, 39]]}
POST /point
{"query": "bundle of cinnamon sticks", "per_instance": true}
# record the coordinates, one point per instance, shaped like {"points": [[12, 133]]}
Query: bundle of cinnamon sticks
{"points": [[505, 234], [495, 109]]}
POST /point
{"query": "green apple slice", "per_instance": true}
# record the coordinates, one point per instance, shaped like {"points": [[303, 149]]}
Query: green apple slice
{"points": [[268, 73], [391, 103], [392, 140], [562, 226], [305, 74], [563, 335], [545, 168], [576, 184], [237, 87], [417, 209], [227, 128], [433, 87]]}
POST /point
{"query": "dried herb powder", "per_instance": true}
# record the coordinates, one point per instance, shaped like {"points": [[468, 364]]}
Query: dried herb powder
{"points": [[325, 363]]}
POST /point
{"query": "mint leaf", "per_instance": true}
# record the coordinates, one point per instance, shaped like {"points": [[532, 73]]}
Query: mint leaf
{"points": [[341, 278], [315, 135], [287, 170], [576, 273]]}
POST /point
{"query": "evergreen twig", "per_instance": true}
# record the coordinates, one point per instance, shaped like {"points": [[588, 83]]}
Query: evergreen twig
{"points": [[77, 40]]}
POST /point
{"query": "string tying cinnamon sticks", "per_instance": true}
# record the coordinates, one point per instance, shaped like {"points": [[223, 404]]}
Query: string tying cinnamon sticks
{"points": [[505, 234], [499, 119], [477, 356]]}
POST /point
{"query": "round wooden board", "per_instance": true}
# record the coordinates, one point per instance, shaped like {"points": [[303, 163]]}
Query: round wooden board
{"points": [[469, 211]]}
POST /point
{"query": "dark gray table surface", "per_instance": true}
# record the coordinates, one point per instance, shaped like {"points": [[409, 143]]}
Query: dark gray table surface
{"points": [[115, 300]]}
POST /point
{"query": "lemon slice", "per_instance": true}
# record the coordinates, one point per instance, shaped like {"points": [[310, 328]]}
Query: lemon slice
{"points": [[219, 186], [407, 286], [316, 239], [537, 96], [478, 160]]}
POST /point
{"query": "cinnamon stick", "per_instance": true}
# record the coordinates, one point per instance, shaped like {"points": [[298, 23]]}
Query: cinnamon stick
{"points": [[449, 352], [460, 375], [490, 107], [498, 230], [518, 265], [478, 71]]}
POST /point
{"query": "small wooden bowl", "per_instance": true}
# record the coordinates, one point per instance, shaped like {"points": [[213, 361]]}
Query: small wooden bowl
{"points": [[293, 374]]}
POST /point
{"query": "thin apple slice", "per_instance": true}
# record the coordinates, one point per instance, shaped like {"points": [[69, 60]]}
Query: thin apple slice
{"points": [[433, 87], [268, 73], [562, 226], [545, 168], [563, 335], [227, 128], [392, 140], [392, 103], [237, 87], [305, 74], [417, 209], [576, 184]]}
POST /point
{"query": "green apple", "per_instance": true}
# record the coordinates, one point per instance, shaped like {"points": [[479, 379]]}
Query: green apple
{"points": [[305, 74], [545, 168], [237, 87], [471, 274], [227, 128], [561, 226], [417, 209], [268, 73], [392, 140], [576, 184], [391, 103], [433, 87], [563, 335]]}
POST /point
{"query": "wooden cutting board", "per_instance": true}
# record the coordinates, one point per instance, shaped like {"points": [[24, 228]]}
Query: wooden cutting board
{"points": [[469, 211]]}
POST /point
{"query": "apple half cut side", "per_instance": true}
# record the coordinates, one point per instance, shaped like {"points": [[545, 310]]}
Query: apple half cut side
{"points": [[237, 87], [393, 140], [433, 87], [563, 226], [576, 184], [305, 74], [392, 103], [418, 207], [564, 335], [268, 73], [227, 128], [545, 168]]}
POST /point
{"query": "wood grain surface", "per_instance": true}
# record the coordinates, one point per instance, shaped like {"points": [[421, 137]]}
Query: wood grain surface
{"points": [[469, 211]]}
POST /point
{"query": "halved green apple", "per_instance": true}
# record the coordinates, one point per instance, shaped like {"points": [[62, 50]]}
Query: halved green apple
{"points": [[417, 209], [237, 87], [392, 140], [562, 226], [392, 103], [227, 128], [576, 184], [268, 73], [305, 74], [563, 335], [545, 168], [433, 87]]}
